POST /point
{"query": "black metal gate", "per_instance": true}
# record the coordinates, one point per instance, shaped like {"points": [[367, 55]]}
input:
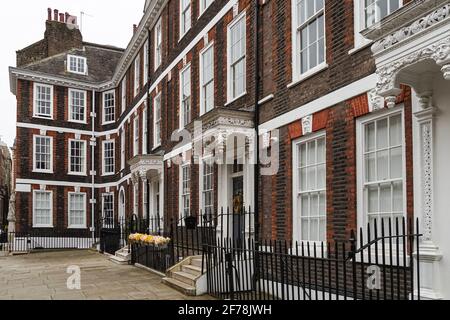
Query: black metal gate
{"points": [[110, 240], [380, 265]]}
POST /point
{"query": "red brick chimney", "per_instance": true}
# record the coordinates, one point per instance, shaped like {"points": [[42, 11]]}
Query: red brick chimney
{"points": [[61, 35]]}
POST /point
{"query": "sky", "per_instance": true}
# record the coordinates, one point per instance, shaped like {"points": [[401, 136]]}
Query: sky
{"points": [[22, 22]]}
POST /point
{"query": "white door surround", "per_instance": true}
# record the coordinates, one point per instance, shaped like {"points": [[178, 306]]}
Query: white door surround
{"points": [[415, 50]]}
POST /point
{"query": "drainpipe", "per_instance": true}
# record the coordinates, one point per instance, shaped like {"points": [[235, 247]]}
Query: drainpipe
{"points": [[93, 144], [257, 25], [149, 57]]}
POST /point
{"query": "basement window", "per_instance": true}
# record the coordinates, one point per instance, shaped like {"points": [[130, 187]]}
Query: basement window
{"points": [[77, 64]]}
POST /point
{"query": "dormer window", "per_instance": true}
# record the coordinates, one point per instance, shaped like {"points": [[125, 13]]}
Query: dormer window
{"points": [[76, 64]]}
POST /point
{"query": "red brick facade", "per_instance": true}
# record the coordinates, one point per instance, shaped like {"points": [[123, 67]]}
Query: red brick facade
{"points": [[274, 53]]}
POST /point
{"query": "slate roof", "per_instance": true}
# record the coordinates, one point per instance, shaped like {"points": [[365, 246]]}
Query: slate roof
{"points": [[101, 60]]}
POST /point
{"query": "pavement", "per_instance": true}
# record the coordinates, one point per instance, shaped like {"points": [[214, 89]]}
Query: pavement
{"points": [[44, 276]]}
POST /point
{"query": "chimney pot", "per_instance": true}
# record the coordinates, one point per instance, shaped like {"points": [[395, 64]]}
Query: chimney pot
{"points": [[134, 28], [49, 18], [61, 17], [67, 17], [55, 14]]}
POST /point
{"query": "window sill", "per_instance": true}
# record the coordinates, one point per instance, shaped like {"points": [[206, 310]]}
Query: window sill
{"points": [[266, 99], [43, 171], [77, 227], [108, 174], [42, 117], [79, 174], [41, 226], [360, 47], [156, 147], [236, 98], [184, 34], [79, 122], [107, 123], [308, 74]]}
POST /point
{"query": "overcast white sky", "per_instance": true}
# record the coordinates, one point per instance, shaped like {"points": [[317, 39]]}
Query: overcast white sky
{"points": [[22, 22]]}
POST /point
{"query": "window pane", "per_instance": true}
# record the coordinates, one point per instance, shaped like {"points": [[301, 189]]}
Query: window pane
{"points": [[372, 196], [382, 133], [395, 130], [382, 165]]}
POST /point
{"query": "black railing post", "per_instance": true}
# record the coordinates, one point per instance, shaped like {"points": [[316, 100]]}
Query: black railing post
{"points": [[229, 261], [352, 255]]}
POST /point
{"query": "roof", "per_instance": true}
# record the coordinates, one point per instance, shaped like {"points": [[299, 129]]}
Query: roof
{"points": [[102, 61]]}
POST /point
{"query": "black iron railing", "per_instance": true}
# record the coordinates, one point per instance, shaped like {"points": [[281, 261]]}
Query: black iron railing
{"points": [[381, 268]]}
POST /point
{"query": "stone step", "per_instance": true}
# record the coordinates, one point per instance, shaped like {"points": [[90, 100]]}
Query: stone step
{"points": [[187, 278], [119, 260], [194, 270], [180, 286], [123, 254], [197, 262]]}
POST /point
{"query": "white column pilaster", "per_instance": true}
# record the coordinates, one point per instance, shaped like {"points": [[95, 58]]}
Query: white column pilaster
{"points": [[429, 254]]}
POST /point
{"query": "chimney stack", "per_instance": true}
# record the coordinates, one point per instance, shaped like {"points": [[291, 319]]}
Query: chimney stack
{"points": [[49, 18], [55, 14]]}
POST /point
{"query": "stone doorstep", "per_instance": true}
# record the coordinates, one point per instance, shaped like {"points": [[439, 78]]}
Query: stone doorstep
{"points": [[194, 270], [180, 286], [187, 278]]}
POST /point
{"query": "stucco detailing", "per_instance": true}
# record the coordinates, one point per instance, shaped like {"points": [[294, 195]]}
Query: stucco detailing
{"points": [[376, 102], [307, 124], [416, 27], [387, 84], [425, 120], [427, 161], [446, 71]]}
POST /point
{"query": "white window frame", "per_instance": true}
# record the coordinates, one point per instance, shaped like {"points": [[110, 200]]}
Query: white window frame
{"points": [[201, 184], [78, 59], [77, 226], [203, 5], [145, 203], [157, 122], [84, 164], [71, 93], [122, 149], [362, 218], [35, 169], [297, 75], [104, 173], [297, 227], [359, 16], [104, 195], [182, 111], [124, 94], [182, 195], [35, 225], [183, 11], [36, 114], [230, 98], [146, 67], [137, 74], [145, 131], [136, 136], [136, 199], [158, 44], [113, 92], [203, 85]]}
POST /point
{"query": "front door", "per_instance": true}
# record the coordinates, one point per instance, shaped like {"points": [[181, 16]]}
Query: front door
{"points": [[122, 217], [238, 208]]}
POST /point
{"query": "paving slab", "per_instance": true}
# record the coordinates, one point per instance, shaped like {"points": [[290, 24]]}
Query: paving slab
{"points": [[43, 276]]}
